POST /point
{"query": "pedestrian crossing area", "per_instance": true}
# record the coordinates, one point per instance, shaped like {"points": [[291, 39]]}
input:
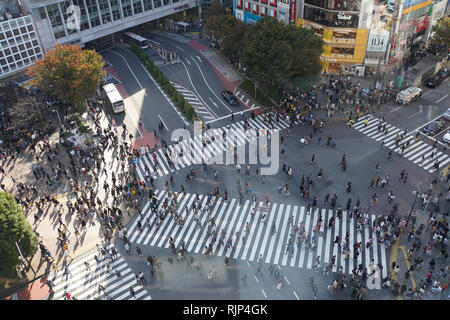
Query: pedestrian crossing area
{"points": [[203, 112], [158, 163], [418, 152], [250, 227], [89, 285]]}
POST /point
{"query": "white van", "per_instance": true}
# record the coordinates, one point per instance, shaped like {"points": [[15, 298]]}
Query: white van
{"points": [[408, 95]]}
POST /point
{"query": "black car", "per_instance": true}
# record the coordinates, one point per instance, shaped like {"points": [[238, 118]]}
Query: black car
{"points": [[443, 74], [231, 99], [433, 82], [433, 128]]}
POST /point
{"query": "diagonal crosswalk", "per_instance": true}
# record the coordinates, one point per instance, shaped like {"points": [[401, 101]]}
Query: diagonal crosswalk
{"points": [[84, 284], [258, 240], [418, 152], [161, 163]]}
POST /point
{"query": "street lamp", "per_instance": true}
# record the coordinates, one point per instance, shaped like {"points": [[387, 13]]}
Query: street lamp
{"points": [[54, 110], [416, 193]]}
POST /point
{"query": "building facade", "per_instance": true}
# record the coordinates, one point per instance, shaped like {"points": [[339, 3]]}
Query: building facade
{"points": [[81, 21], [19, 44], [250, 11]]}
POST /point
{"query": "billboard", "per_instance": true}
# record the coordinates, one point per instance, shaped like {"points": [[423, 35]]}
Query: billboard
{"points": [[250, 18], [283, 4], [378, 40]]}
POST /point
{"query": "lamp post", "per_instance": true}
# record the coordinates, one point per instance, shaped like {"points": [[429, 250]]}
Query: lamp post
{"points": [[54, 110], [419, 188]]}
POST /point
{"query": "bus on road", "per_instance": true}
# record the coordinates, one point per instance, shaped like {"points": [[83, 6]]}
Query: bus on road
{"points": [[131, 37], [113, 98]]}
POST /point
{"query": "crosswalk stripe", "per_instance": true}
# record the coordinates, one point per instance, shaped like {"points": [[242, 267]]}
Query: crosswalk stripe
{"points": [[273, 237], [335, 246], [150, 223], [303, 252], [261, 227], [375, 243]]}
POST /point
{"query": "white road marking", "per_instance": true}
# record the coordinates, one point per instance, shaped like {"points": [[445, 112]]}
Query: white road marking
{"points": [[264, 293], [179, 48], [187, 60], [163, 122], [442, 98], [396, 109], [256, 278], [287, 281], [199, 59], [213, 102], [295, 294], [415, 114], [227, 116], [426, 93]]}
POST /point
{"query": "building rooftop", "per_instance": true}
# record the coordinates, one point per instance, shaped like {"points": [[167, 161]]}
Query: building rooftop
{"points": [[10, 9]]}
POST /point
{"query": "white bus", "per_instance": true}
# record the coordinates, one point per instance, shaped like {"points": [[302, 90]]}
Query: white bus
{"points": [[131, 37], [113, 98]]}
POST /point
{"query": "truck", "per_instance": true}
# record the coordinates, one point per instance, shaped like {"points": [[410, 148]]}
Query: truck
{"points": [[408, 95]]}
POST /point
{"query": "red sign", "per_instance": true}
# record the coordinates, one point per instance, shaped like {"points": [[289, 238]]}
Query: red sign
{"points": [[422, 24], [292, 13]]}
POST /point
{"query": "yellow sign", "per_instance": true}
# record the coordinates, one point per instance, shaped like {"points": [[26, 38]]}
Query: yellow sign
{"points": [[416, 7]]}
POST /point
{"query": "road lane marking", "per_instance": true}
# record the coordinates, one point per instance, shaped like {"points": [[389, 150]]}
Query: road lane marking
{"points": [[187, 60], [415, 114], [295, 294], [256, 278], [163, 122], [426, 93], [264, 293], [442, 98], [396, 109], [179, 48], [213, 102], [227, 116], [287, 281]]}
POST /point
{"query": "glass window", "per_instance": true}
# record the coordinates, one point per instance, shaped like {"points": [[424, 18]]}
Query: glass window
{"points": [[104, 11], [19, 64], [126, 8], [2, 36], [157, 3], [37, 50], [24, 55], [115, 8], [30, 28], [7, 52], [14, 49], [137, 5], [21, 47], [1, 54], [35, 43], [23, 30], [16, 32], [147, 5], [28, 45], [84, 23], [56, 21], [330, 18], [30, 52], [94, 16], [64, 6], [2, 62], [42, 13], [26, 61], [8, 34], [351, 5], [165, 2], [10, 59]]}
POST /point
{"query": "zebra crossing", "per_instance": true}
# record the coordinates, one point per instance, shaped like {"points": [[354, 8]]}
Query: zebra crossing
{"points": [[158, 162], [418, 152], [203, 112], [232, 217], [84, 285]]}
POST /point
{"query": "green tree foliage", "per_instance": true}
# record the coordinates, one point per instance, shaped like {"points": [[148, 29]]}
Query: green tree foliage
{"points": [[274, 52], [214, 10], [13, 228], [69, 73], [441, 35]]}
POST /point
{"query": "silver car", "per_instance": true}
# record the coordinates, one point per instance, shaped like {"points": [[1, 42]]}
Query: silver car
{"points": [[447, 115]]}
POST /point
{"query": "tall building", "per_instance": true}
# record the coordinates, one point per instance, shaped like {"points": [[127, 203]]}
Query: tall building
{"points": [[19, 42], [81, 21], [250, 11]]}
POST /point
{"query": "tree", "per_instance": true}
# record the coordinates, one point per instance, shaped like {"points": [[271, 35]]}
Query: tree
{"points": [[69, 73], [13, 228], [220, 27], [234, 41], [214, 10], [441, 33], [274, 52]]}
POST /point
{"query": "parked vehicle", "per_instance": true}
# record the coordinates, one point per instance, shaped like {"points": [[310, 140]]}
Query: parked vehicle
{"points": [[433, 82], [446, 137], [443, 73], [433, 128], [447, 115], [408, 95], [230, 98]]}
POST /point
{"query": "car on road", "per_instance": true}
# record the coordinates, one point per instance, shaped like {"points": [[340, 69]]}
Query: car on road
{"points": [[443, 74], [447, 115], [433, 128], [446, 137], [230, 97], [408, 95], [433, 82]]}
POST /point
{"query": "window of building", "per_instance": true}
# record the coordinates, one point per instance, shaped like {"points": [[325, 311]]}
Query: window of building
{"points": [[126, 8], [247, 5], [2, 62], [115, 8], [344, 52], [94, 16], [23, 30], [10, 59], [14, 49], [42, 13], [137, 6], [350, 5], [37, 50], [19, 64], [1, 54], [104, 11], [55, 20], [2, 36], [264, 1], [263, 11], [71, 29], [35, 43], [239, 4], [157, 3], [165, 2], [30, 28], [8, 34], [148, 5], [5, 69], [7, 52], [16, 32], [26, 61], [330, 18], [273, 3], [255, 8], [24, 55], [30, 52]]}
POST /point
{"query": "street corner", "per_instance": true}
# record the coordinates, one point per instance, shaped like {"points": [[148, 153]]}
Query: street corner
{"points": [[37, 290], [148, 140]]}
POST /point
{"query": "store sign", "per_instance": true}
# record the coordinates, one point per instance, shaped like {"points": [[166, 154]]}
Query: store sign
{"points": [[283, 4], [378, 40], [292, 11], [344, 16], [250, 18], [240, 15]]}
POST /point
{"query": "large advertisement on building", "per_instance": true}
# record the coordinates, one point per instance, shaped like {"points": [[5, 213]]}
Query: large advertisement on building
{"points": [[250, 18], [378, 39], [284, 4]]}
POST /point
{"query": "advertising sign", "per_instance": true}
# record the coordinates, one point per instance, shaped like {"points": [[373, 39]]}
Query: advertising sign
{"points": [[239, 15], [283, 4], [378, 40], [293, 9], [250, 18]]}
